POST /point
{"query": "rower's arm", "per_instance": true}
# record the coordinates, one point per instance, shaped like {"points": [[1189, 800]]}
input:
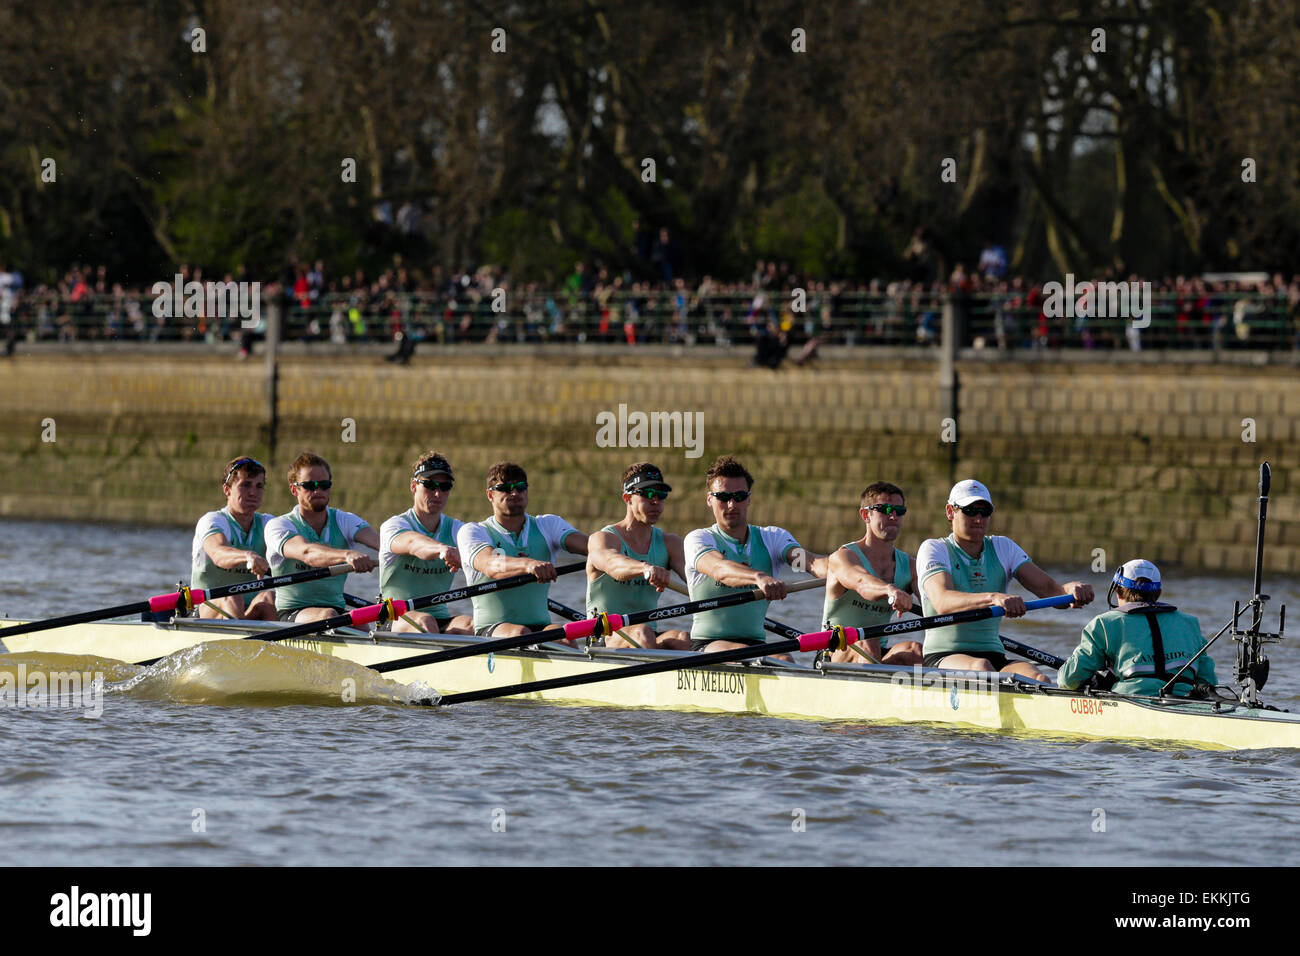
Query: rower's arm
{"points": [[319, 555], [676, 554], [494, 565], [420, 546], [575, 543], [367, 536], [227, 558], [849, 572], [947, 600], [801, 559], [607, 556], [730, 574], [1038, 581]]}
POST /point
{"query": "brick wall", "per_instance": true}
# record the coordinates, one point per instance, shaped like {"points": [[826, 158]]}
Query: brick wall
{"points": [[1130, 458]]}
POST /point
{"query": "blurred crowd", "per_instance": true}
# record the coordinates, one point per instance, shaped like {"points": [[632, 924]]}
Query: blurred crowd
{"points": [[774, 309]]}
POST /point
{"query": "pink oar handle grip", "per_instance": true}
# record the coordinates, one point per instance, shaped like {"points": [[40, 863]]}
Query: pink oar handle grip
{"points": [[372, 612], [168, 602], [579, 629], [819, 640]]}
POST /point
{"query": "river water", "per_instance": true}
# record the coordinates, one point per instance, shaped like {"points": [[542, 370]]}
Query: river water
{"points": [[154, 781]]}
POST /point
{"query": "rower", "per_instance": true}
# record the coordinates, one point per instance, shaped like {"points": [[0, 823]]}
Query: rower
{"points": [[314, 535], [1142, 640], [734, 555], [514, 542], [417, 553], [630, 563], [870, 578], [230, 544], [971, 569]]}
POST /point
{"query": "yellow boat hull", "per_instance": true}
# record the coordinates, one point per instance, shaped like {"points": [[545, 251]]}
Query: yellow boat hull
{"points": [[844, 692]]}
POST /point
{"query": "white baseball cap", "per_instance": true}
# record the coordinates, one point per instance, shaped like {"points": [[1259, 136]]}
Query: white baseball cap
{"points": [[1126, 576], [967, 492]]}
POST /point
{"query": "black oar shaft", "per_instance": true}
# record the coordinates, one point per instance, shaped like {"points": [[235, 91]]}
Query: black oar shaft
{"points": [[168, 602], [376, 612], [618, 672], [537, 637], [784, 630], [486, 587], [1033, 653], [82, 617]]}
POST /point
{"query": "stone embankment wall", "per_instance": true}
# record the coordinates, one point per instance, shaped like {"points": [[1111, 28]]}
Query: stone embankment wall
{"points": [[1149, 458]]}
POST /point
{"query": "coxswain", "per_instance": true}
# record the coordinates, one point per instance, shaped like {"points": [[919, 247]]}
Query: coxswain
{"points": [[1142, 641]]}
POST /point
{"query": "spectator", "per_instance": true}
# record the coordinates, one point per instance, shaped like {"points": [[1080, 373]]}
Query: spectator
{"points": [[993, 261], [663, 258]]}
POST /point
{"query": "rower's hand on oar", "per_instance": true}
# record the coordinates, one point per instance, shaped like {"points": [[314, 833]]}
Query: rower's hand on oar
{"points": [[544, 571], [1082, 593], [451, 557], [257, 564], [1012, 604], [773, 590], [656, 577], [359, 562], [899, 600]]}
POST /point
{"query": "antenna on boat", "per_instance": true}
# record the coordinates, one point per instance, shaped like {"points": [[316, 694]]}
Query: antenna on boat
{"points": [[1252, 665]]}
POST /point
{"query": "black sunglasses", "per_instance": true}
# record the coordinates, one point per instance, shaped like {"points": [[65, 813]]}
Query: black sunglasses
{"points": [[240, 464], [433, 485], [325, 485], [654, 494], [725, 496], [977, 511], [888, 510], [506, 487]]}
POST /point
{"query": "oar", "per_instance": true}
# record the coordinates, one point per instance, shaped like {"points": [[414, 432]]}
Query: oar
{"points": [[1033, 653], [392, 609], [574, 630], [351, 600], [573, 614], [791, 587], [188, 598], [817, 641], [791, 633]]}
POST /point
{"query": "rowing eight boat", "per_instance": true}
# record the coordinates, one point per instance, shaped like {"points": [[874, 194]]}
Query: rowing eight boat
{"points": [[856, 692]]}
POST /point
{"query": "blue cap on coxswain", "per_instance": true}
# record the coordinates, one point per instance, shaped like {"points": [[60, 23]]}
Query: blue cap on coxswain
{"points": [[1126, 575]]}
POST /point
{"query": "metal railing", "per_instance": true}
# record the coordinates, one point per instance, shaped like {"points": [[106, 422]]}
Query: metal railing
{"points": [[1218, 320]]}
